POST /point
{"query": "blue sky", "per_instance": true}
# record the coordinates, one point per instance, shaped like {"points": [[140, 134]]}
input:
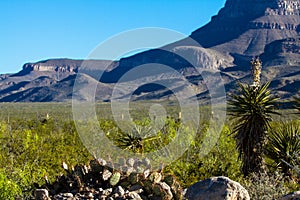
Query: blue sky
{"points": [[33, 30]]}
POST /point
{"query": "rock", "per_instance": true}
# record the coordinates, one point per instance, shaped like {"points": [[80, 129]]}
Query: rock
{"points": [[170, 180], [106, 175], [163, 190], [89, 195], [119, 190], [102, 161], [146, 173], [175, 186], [139, 170], [243, 16], [292, 196], [155, 177], [148, 186], [79, 171], [133, 178], [122, 161], [96, 167], [64, 196], [135, 188], [41, 194], [130, 162], [146, 162], [217, 188], [127, 170], [107, 192], [201, 57], [137, 164], [134, 195], [103, 197]]}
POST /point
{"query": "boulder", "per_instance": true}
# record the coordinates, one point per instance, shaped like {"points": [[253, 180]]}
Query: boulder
{"points": [[63, 196], [217, 188], [41, 194], [292, 196]]}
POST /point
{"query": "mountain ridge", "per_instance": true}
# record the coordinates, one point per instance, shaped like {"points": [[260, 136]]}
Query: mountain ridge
{"points": [[241, 30]]}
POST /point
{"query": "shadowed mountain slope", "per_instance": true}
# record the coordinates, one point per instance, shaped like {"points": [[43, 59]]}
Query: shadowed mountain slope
{"points": [[240, 31]]}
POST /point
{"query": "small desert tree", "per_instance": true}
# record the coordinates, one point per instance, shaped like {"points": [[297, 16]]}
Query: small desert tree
{"points": [[251, 108]]}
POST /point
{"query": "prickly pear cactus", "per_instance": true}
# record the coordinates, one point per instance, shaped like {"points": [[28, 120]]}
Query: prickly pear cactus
{"points": [[99, 181], [148, 186], [115, 178], [133, 178]]}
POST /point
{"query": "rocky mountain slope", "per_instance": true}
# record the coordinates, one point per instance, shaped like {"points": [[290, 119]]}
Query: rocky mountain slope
{"points": [[240, 31]]}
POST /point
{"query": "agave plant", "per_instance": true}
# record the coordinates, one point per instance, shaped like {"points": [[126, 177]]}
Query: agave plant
{"points": [[252, 109], [283, 146], [135, 139]]}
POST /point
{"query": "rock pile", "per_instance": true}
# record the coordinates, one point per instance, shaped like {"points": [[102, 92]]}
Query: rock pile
{"points": [[99, 181]]}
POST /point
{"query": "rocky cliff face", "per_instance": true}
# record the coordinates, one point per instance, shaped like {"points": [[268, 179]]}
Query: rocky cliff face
{"points": [[242, 29], [246, 26], [251, 9], [282, 52], [66, 67], [290, 45], [54, 65]]}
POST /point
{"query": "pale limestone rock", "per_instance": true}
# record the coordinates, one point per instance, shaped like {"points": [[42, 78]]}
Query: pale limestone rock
{"points": [[217, 188], [291, 196], [41, 194]]}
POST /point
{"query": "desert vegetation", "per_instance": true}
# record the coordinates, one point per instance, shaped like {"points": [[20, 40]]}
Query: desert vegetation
{"points": [[255, 148]]}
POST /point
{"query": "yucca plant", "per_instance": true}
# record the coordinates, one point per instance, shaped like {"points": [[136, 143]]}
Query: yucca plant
{"points": [[252, 108], [283, 146]]}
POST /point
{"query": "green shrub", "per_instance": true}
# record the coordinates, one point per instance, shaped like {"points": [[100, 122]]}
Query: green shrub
{"points": [[9, 190], [222, 160], [32, 150], [265, 186]]}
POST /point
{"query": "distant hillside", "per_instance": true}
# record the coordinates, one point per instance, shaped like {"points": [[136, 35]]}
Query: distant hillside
{"points": [[241, 30]]}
